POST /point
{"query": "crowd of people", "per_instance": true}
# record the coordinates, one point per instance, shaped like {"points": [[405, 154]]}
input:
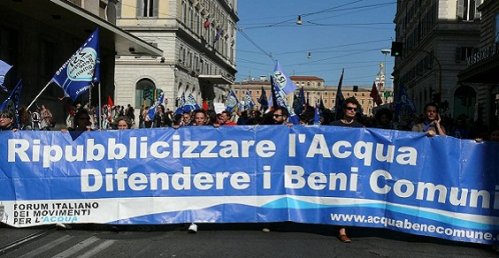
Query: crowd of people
{"points": [[116, 117]]}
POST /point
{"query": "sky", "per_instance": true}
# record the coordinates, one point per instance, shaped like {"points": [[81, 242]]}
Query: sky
{"points": [[335, 34]]}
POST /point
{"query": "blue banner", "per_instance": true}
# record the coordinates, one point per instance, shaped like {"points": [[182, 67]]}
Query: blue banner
{"points": [[435, 186], [76, 76]]}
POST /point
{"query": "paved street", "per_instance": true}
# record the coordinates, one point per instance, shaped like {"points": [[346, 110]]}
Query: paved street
{"points": [[246, 240]]}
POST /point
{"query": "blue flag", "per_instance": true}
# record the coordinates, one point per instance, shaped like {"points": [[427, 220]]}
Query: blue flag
{"points": [[231, 102], [404, 105], [248, 101], [152, 110], [270, 102], [264, 103], [180, 105], [299, 102], [4, 69], [11, 104], [283, 81], [281, 101], [338, 105], [317, 116], [218, 34], [76, 76], [190, 104]]}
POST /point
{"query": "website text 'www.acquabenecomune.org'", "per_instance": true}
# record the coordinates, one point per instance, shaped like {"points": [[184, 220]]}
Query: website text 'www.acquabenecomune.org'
{"points": [[408, 225]]}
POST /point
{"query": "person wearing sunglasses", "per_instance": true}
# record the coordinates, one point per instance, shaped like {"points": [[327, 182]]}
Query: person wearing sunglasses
{"points": [[280, 116], [6, 121], [350, 108]]}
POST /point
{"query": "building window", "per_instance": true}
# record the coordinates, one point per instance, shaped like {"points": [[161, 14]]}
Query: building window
{"points": [[148, 8], [191, 18], [184, 11], [467, 9], [144, 93], [462, 53]]}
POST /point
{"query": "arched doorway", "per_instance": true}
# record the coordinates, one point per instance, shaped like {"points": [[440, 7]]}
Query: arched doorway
{"points": [[464, 102], [144, 93]]}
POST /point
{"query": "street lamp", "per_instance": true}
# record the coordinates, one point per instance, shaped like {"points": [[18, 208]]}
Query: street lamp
{"points": [[299, 21]]}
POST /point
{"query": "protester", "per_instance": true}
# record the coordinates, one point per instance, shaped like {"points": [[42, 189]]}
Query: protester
{"points": [[186, 119], [47, 120], [255, 118], [161, 119], [24, 119], [147, 119], [212, 117], [35, 119], [243, 118], [7, 121], [82, 121], [141, 116], [494, 135], [280, 116], [225, 119], [460, 129], [200, 118], [123, 123], [431, 121], [350, 108], [383, 119], [130, 113]]}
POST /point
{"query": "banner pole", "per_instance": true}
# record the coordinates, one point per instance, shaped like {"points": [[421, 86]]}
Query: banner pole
{"points": [[37, 96]]}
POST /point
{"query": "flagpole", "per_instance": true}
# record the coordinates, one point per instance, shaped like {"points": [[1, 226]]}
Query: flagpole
{"points": [[99, 108], [90, 95], [37, 96]]}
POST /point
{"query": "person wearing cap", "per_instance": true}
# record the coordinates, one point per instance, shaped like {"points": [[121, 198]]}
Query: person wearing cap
{"points": [[6, 121]]}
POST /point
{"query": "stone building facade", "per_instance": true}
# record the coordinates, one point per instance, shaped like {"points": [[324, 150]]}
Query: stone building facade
{"points": [[198, 39], [315, 90], [437, 36]]}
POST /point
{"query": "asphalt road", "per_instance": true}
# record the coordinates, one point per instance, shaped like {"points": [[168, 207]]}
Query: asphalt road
{"points": [[227, 240]]}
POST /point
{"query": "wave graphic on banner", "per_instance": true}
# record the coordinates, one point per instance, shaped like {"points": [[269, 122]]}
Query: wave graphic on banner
{"points": [[307, 203], [461, 220]]}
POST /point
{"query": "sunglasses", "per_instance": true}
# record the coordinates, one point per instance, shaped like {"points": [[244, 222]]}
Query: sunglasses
{"points": [[352, 108]]}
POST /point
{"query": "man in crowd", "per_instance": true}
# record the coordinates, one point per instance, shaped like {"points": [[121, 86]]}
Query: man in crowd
{"points": [[431, 124], [350, 108], [280, 116]]}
